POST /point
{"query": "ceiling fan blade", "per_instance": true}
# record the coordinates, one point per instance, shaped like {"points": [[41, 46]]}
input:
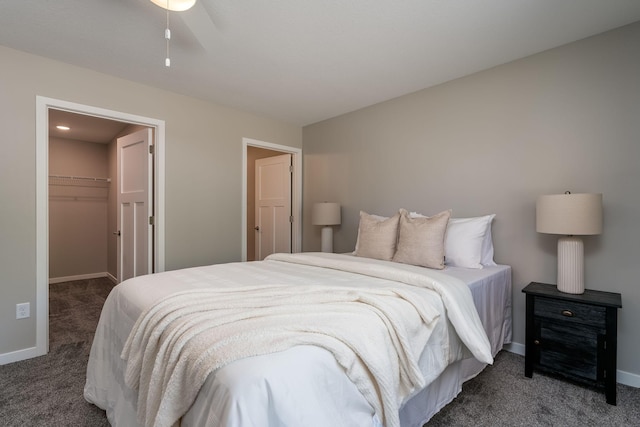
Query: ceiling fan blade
{"points": [[199, 22]]}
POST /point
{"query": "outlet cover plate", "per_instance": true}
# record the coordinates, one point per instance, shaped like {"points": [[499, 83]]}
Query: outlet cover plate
{"points": [[22, 310]]}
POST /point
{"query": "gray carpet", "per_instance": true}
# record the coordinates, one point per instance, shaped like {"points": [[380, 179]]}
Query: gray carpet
{"points": [[74, 310], [47, 390], [502, 396]]}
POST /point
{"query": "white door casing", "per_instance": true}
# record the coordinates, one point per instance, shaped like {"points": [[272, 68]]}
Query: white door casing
{"points": [[135, 166], [273, 205], [43, 104]]}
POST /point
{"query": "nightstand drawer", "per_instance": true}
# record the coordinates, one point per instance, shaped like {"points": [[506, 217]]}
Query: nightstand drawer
{"points": [[571, 312]]}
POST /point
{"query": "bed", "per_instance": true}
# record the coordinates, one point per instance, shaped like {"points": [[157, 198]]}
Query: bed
{"points": [[292, 379]]}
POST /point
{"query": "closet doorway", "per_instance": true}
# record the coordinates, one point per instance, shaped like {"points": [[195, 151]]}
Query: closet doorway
{"points": [[88, 169], [77, 194]]}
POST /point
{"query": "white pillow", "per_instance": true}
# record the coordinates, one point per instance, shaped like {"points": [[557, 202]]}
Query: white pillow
{"points": [[468, 242], [487, 246]]}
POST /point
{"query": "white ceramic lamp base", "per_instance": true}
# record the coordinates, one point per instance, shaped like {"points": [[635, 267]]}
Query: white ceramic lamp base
{"points": [[570, 265], [327, 239]]}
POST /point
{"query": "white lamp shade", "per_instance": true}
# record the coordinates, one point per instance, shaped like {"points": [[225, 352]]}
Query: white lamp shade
{"points": [[569, 214], [326, 213], [175, 5]]}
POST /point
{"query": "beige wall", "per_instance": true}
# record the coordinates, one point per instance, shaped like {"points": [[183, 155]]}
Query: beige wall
{"points": [[203, 171], [565, 119], [77, 209]]}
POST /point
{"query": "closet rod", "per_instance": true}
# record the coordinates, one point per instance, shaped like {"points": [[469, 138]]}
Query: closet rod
{"points": [[81, 178]]}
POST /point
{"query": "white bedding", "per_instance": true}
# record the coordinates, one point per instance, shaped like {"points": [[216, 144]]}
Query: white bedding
{"points": [[284, 388], [491, 291]]}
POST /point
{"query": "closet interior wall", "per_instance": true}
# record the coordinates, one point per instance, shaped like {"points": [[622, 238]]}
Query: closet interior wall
{"points": [[78, 209]]}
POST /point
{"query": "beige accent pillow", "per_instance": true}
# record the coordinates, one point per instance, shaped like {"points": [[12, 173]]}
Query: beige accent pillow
{"points": [[421, 240], [377, 237]]}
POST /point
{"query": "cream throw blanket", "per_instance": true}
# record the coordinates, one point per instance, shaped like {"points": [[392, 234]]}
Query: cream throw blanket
{"points": [[376, 335]]}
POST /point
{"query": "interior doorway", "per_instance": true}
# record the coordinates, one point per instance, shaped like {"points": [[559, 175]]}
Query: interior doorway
{"points": [[81, 175], [252, 151], [43, 108]]}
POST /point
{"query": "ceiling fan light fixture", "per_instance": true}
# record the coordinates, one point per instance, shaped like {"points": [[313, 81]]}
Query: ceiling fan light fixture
{"points": [[175, 5]]}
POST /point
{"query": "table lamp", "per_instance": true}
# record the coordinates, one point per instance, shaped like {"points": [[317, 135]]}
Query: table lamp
{"points": [[326, 214], [570, 215]]}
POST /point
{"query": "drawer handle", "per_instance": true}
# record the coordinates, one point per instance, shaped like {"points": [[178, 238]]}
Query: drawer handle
{"points": [[567, 313], [536, 342]]}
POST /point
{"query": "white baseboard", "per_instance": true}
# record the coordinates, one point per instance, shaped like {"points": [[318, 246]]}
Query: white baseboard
{"points": [[19, 355], [53, 280], [622, 377], [112, 278], [627, 378], [515, 347]]}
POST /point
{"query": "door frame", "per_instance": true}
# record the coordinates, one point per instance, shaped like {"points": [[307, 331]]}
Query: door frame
{"points": [[296, 192], [43, 104]]}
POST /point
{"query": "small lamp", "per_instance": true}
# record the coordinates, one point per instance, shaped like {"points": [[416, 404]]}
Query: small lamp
{"points": [[570, 215], [326, 214]]}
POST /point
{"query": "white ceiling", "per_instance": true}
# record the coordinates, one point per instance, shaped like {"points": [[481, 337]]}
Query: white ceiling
{"points": [[302, 61], [83, 128]]}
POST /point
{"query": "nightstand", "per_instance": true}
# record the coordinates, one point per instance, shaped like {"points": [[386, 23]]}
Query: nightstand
{"points": [[573, 336]]}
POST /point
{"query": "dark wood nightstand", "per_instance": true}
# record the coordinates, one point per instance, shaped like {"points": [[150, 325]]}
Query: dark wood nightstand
{"points": [[573, 336]]}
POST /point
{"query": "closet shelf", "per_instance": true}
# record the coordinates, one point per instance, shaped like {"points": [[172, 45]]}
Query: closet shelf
{"points": [[80, 178], [78, 181]]}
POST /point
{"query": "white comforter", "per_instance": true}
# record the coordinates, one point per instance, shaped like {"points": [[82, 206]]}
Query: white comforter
{"points": [[412, 314]]}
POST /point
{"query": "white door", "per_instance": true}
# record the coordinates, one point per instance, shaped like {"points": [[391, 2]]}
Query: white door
{"points": [[273, 205], [135, 245]]}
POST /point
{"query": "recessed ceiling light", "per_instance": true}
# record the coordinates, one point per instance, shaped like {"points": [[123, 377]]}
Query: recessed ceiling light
{"points": [[63, 127]]}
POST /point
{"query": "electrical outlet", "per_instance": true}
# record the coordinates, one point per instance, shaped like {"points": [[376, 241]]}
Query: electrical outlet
{"points": [[23, 310]]}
